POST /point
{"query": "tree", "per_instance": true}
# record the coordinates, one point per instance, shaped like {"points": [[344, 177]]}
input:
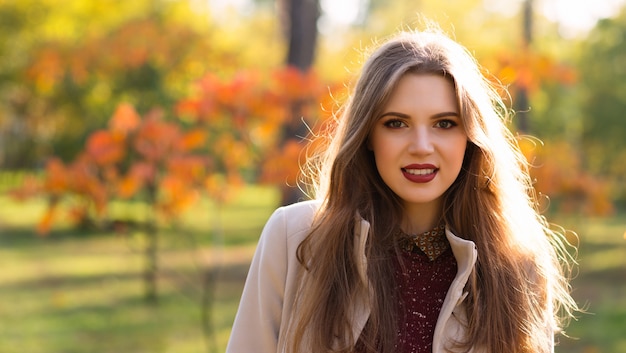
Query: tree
{"points": [[67, 64], [603, 100], [29, 120], [79, 83], [299, 19], [218, 135], [142, 157]]}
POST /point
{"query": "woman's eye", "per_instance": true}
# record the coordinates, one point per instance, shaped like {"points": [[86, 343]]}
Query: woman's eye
{"points": [[446, 124], [395, 124]]}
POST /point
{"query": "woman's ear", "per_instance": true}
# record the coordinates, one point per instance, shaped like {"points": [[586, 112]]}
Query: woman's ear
{"points": [[368, 144]]}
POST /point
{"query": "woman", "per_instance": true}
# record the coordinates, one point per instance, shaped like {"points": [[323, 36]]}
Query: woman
{"points": [[425, 236]]}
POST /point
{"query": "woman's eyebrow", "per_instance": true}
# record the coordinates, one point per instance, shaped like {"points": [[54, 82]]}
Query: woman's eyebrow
{"points": [[396, 114], [406, 116], [445, 114]]}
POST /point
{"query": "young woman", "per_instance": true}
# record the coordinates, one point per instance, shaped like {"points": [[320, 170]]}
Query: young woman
{"points": [[425, 234]]}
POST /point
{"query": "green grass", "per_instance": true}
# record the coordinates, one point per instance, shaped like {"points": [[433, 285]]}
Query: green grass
{"points": [[600, 286], [83, 292]]}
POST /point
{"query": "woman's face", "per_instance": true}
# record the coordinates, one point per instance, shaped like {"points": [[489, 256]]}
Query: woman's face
{"points": [[419, 140]]}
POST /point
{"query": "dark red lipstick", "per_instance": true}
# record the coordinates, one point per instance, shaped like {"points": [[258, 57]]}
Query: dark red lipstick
{"points": [[419, 173]]}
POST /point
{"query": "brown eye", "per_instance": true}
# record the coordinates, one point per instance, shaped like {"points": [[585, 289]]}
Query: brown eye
{"points": [[394, 124], [446, 124]]}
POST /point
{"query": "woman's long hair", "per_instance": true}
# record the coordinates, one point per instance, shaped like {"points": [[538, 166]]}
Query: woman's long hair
{"points": [[519, 285]]}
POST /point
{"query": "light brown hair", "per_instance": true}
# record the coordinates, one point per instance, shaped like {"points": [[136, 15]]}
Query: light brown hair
{"points": [[520, 280]]}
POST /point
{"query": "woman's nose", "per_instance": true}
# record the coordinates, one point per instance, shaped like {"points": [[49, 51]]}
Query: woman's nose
{"points": [[421, 141]]}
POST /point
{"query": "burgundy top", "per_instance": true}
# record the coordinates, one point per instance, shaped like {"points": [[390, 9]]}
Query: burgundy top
{"points": [[422, 288]]}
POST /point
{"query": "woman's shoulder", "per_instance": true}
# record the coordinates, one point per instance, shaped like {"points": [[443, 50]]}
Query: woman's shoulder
{"points": [[301, 208], [297, 217]]}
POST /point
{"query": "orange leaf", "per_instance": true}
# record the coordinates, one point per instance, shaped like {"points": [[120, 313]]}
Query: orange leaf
{"points": [[239, 90], [106, 147], [283, 166], [192, 140], [47, 69], [187, 168], [125, 119], [265, 134], [57, 177], [204, 106], [188, 108], [177, 195], [216, 186], [128, 186], [234, 153], [45, 224], [155, 139], [137, 177], [297, 85]]}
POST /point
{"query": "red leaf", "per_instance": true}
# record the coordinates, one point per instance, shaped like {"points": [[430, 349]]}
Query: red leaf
{"points": [[106, 147], [156, 139]]}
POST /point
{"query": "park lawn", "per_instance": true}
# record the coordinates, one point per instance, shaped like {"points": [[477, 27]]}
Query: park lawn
{"points": [[83, 292], [600, 286]]}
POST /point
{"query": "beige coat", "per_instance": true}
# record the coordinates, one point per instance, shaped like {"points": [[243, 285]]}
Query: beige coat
{"points": [[261, 324]]}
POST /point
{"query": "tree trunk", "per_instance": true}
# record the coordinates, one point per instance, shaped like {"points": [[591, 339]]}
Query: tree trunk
{"points": [[299, 19], [522, 103], [151, 250]]}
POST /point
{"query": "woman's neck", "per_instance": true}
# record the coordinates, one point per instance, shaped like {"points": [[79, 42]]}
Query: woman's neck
{"points": [[420, 218]]}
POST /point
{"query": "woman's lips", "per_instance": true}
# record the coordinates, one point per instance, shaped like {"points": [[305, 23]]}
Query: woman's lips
{"points": [[419, 173]]}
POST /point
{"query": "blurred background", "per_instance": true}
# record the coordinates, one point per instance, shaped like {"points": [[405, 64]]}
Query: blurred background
{"points": [[144, 143]]}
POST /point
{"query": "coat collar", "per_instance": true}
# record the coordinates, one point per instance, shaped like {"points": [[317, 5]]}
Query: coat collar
{"points": [[465, 254], [464, 250]]}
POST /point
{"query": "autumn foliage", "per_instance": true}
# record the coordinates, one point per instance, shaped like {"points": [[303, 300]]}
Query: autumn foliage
{"points": [[135, 156], [248, 116], [529, 69], [558, 173], [231, 131], [135, 44], [225, 132], [557, 168], [247, 127]]}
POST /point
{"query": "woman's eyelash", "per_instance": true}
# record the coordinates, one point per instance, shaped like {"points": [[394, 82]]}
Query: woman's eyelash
{"points": [[450, 123], [394, 123]]}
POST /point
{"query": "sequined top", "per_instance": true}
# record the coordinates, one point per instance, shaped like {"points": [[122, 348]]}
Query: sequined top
{"points": [[422, 287], [423, 274]]}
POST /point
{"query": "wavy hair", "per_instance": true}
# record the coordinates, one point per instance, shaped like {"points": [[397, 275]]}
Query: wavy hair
{"points": [[519, 289]]}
